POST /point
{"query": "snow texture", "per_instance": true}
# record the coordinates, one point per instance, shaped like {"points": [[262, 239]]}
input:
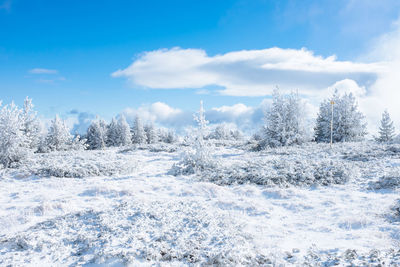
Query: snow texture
{"points": [[120, 207]]}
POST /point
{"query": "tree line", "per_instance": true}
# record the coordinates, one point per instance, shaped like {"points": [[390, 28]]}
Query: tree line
{"points": [[21, 132]]}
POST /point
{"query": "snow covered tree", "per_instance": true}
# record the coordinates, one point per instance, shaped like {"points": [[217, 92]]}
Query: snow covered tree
{"points": [[58, 138], [97, 134], [14, 143], [124, 136], [199, 156], [225, 131], [112, 133], [151, 134], [386, 130], [32, 127], [348, 123], [284, 121], [138, 133]]}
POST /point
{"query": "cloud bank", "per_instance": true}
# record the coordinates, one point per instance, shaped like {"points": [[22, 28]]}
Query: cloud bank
{"points": [[247, 72]]}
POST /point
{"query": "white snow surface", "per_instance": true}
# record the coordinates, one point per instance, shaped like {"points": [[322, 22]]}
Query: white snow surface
{"points": [[144, 216]]}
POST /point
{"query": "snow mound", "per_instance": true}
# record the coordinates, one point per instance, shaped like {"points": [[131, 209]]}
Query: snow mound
{"points": [[159, 231]]}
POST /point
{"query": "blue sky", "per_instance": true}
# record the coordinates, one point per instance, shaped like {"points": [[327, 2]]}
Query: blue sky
{"points": [[105, 57]]}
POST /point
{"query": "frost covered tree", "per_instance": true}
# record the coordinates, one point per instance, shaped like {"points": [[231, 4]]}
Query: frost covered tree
{"points": [[386, 130], [151, 134], [225, 131], [112, 133], [96, 134], [124, 136], [32, 127], [348, 122], [167, 136], [138, 133], [199, 157], [14, 143], [58, 138], [284, 121]]}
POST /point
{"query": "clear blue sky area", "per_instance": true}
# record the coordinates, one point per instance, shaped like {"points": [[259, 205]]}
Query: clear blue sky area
{"points": [[80, 43]]}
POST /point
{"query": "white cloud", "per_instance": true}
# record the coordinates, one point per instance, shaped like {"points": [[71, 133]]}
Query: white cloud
{"points": [[159, 113], [245, 73], [246, 117], [42, 71]]}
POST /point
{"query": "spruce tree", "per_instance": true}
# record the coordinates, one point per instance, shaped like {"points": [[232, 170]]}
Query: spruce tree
{"points": [[348, 122], [138, 133], [96, 134], [284, 121], [386, 130], [58, 137]]}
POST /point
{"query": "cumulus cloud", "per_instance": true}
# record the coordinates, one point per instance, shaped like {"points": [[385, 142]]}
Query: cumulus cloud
{"points": [[247, 118], [159, 113], [245, 73]]}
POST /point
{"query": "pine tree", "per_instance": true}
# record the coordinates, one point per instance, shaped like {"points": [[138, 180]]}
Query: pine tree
{"points": [[32, 127], [97, 134], [348, 123], [58, 138], [285, 122], [386, 130], [138, 133], [112, 133], [124, 136], [151, 134], [14, 143]]}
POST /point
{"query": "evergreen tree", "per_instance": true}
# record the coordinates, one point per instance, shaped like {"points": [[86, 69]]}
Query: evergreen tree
{"points": [[348, 123], [32, 127], [58, 138], [112, 133], [386, 130], [14, 143], [138, 133], [285, 121], [151, 134], [124, 136], [97, 134]]}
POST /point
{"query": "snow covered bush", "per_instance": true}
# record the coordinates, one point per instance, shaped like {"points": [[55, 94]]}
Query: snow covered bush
{"points": [[386, 129], [348, 122], [388, 181], [14, 142], [282, 173], [284, 121], [198, 157], [79, 164]]}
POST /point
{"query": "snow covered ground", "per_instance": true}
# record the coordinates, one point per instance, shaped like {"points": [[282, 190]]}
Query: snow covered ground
{"points": [[122, 207]]}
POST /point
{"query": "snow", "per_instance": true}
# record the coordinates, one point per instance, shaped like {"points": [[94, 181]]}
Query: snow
{"points": [[132, 212]]}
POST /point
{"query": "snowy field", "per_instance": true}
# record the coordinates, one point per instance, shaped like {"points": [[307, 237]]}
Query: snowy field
{"points": [[301, 205]]}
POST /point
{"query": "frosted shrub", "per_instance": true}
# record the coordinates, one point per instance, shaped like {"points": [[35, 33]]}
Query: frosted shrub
{"points": [[389, 181], [282, 173], [81, 164], [199, 157]]}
